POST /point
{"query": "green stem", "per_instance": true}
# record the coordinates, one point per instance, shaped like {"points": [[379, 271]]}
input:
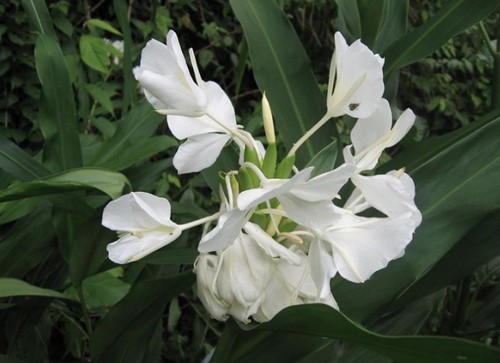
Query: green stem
{"points": [[86, 314], [226, 342]]}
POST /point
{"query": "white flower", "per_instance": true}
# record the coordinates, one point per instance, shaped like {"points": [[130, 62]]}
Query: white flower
{"points": [[143, 224], [370, 136], [200, 112], [165, 78], [358, 78]]}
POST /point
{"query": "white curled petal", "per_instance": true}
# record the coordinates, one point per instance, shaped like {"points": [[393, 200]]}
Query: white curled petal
{"points": [[205, 268], [369, 130], [269, 245], [386, 193], [407, 181], [219, 105], [226, 231], [199, 152], [175, 47], [136, 212], [131, 248], [322, 267], [366, 245], [402, 126]]}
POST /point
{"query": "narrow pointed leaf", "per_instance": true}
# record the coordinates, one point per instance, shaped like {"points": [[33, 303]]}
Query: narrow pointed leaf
{"points": [[57, 116], [453, 18], [39, 16], [13, 287]]}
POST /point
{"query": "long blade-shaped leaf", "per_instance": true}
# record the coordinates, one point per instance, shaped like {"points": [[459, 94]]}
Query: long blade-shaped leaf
{"points": [[123, 334], [453, 18], [13, 287], [282, 69], [39, 17], [108, 182], [57, 116]]}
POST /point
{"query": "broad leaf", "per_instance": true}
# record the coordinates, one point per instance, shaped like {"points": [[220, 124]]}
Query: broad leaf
{"points": [[282, 69]]}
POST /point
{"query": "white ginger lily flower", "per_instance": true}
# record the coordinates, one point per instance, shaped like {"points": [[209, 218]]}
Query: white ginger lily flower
{"points": [[143, 224], [200, 112], [370, 136], [358, 78]]}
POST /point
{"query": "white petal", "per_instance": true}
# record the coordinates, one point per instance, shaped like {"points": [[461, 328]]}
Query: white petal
{"points": [[199, 152], [269, 245], [226, 231], [359, 81], [363, 246], [310, 214], [219, 106], [325, 186], [136, 212], [272, 188], [205, 268], [175, 47], [131, 248], [387, 194], [369, 130], [402, 126], [322, 267]]}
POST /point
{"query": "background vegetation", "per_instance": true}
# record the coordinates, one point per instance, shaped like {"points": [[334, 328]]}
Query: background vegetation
{"points": [[61, 300]]}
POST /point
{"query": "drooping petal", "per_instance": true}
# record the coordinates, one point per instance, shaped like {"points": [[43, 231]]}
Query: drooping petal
{"points": [[133, 247], [361, 246], [199, 152], [322, 267], [269, 245], [226, 231], [136, 212], [369, 130], [402, 126]]}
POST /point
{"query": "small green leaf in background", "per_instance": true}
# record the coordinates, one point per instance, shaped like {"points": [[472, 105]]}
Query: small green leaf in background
{"points": [[101, 96], [94, 53], [104, 25], [13, 287]]}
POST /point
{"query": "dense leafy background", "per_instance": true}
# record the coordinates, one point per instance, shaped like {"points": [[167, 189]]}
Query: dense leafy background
{"points": [[76, 132]]}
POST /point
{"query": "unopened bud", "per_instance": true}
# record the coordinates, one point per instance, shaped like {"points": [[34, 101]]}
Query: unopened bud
{"points": [[268, 120]]}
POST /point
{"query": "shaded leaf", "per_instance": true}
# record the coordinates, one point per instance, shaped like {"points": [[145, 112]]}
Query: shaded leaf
{"points": [[10, 287]]}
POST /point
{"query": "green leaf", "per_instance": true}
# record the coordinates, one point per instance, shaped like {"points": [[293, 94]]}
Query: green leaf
{"points": [[104, 25], [474, 250], [282, 69], [93, 51], [109, 182], [324, 161], [13, 287], [57, 116], [455, 179], [132, 141], [104, 289], [123, 335], [100, 95], [175, 256], [129, 83], [39, 17], [324, 321], [453, 18]]}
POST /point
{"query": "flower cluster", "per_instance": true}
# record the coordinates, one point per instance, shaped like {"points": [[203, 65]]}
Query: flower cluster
{"points": [[281, 233]]}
